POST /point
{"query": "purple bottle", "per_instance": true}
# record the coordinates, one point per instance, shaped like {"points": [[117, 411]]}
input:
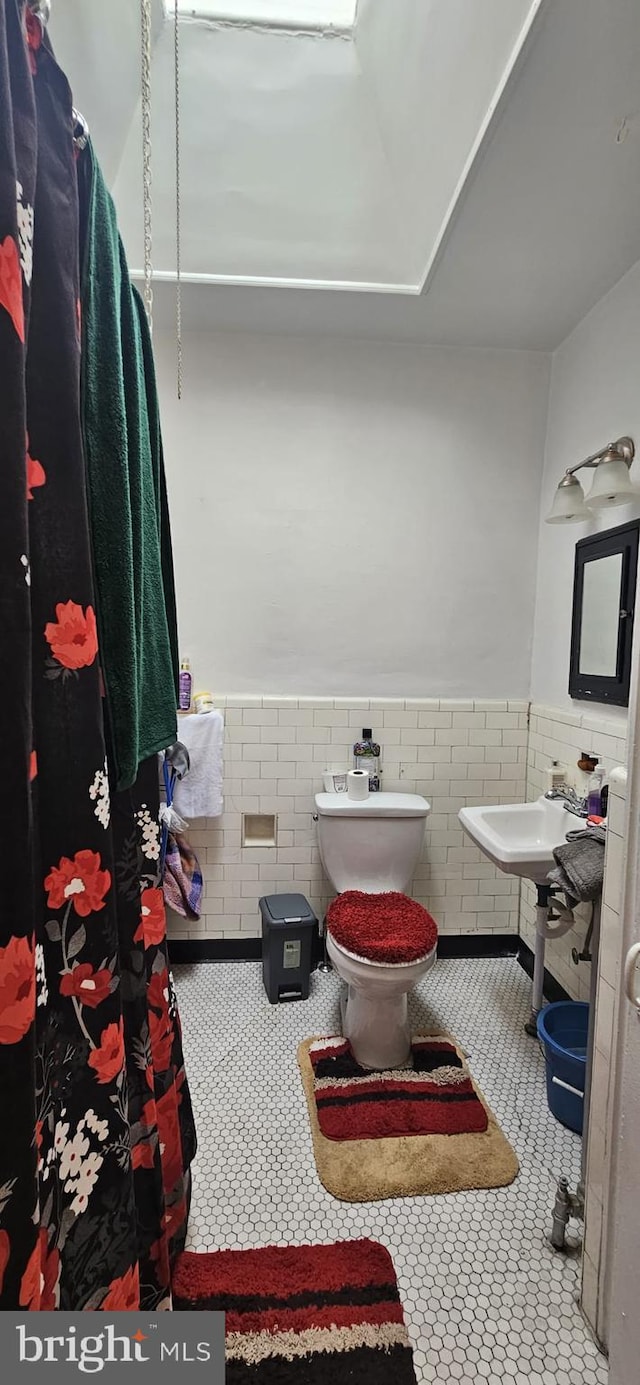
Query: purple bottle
{"points": [[184, 696]]}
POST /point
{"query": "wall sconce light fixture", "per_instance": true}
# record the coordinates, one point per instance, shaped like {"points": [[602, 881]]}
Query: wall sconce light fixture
{"points": [[612, 484]]}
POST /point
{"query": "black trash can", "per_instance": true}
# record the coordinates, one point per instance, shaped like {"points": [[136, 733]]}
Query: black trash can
{"points": [[288, 930]]}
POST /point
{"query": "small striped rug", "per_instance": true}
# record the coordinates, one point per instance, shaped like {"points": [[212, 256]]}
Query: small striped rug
{"points": [[303, 1315], [421, 1129], [432, 1095]]}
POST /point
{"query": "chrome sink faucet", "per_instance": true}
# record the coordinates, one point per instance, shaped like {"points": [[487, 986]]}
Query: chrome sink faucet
{"points": [[569, 797]]}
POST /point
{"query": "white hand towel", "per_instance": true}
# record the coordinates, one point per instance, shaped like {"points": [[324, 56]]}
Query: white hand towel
{"points": [[199, 794]]}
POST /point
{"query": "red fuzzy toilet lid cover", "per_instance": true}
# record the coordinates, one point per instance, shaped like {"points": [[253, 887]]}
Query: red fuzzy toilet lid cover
{"points": [[382, 927]]}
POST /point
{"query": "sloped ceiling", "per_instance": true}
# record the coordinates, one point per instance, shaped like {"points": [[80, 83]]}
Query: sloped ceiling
{"points": [[307, 157], [459, 143], [315, 157], [283, 171]]}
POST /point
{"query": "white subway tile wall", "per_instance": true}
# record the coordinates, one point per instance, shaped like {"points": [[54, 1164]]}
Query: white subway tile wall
{"points": [[558, 735], [455, 752], [594, 1261]]}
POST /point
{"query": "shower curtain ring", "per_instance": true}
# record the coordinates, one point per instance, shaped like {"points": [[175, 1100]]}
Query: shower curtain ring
{"points": [[41, 9]]}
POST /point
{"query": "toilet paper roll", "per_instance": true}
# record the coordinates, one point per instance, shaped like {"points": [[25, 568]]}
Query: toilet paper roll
{"points": [[358, 784]]}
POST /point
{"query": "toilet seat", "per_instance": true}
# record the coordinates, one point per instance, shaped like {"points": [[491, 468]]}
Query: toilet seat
{"points": [[386, 928]]}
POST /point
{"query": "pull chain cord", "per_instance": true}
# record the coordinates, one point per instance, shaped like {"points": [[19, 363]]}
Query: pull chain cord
{"points": [[176, 55], [145, 36]]}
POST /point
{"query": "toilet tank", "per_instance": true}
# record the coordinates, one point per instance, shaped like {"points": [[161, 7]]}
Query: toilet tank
{"points": [[372, 845]]}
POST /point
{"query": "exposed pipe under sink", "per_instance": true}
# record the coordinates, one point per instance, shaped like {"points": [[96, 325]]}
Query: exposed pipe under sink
{"points": [[563, 918]]}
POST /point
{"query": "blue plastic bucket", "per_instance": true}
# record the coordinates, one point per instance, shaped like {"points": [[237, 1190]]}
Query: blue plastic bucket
{"points": [[562, 1030]]}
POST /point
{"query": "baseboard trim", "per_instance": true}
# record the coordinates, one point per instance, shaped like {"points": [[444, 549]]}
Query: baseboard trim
{"points": [[186, 950], [215, 950], [552, 989], [451, 945]]}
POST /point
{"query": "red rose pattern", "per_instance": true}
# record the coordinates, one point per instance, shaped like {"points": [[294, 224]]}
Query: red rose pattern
{"points": [[158, 991], [73, 636], [170, 1142], [80, 880], [123, 1294], [34, 39], [5, 1251], [51, 1287], [40, 1284], [88, 986], [161, 1036], [107, 1060], [142, 1155], [153, 924], [17, 989], [11, 284], [29, 1296], [35, 476]]}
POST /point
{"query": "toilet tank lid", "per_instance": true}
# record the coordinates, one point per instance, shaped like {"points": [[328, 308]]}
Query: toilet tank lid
{"points": [[377, 805]]}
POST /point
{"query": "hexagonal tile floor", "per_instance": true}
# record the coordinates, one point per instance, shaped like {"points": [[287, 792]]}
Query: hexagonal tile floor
{"points": [[486, 1299]]}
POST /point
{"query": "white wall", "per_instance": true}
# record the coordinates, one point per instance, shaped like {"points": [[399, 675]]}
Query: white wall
{"points": [[433, 70], [304, 156], [353, 518], [283, 173], [455, 752], [98, 46], [594, 398]]}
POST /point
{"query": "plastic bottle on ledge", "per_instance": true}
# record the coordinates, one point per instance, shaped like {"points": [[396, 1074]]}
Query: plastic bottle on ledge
{"points": [[594, 794], [184, 686], [366, 755]]}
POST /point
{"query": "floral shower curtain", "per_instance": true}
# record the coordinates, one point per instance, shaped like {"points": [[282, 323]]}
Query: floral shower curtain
{"points": [[96, 1126]]}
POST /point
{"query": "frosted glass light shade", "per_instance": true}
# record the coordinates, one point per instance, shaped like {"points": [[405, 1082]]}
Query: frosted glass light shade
{"points": [[612, 484], [568, 503]]}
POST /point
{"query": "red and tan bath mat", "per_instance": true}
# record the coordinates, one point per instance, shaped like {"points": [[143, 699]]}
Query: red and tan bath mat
{"points": [[303, 1314], [425, 1128], [434, 1096]]}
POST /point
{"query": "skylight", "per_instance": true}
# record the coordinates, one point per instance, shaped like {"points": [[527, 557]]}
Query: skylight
{"points": [[295, 14]]}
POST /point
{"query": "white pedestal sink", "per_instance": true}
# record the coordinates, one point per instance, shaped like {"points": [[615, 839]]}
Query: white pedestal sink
{"points": [[520, 839]]}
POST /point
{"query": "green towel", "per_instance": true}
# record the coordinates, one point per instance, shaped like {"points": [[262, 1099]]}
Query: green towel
{"points": [[128, 512], [162, 501]]}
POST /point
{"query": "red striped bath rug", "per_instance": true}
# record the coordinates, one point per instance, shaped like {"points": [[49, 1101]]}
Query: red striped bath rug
{"points": [[303, 1315], [432, 1096]]}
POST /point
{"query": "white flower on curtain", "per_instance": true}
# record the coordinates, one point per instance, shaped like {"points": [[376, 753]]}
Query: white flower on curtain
{"points": [[150, 834], [41, 977], [25, 234], [99, 794]]}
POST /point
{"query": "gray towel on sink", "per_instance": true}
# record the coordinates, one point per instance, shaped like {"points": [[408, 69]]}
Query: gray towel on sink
{"points": [[579, 868]]}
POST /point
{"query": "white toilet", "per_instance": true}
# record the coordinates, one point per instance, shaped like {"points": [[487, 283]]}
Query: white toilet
{"points": [[373, 847]]}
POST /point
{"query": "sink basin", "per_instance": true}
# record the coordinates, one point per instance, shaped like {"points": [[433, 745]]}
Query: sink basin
{"points": [[520, 837]]}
